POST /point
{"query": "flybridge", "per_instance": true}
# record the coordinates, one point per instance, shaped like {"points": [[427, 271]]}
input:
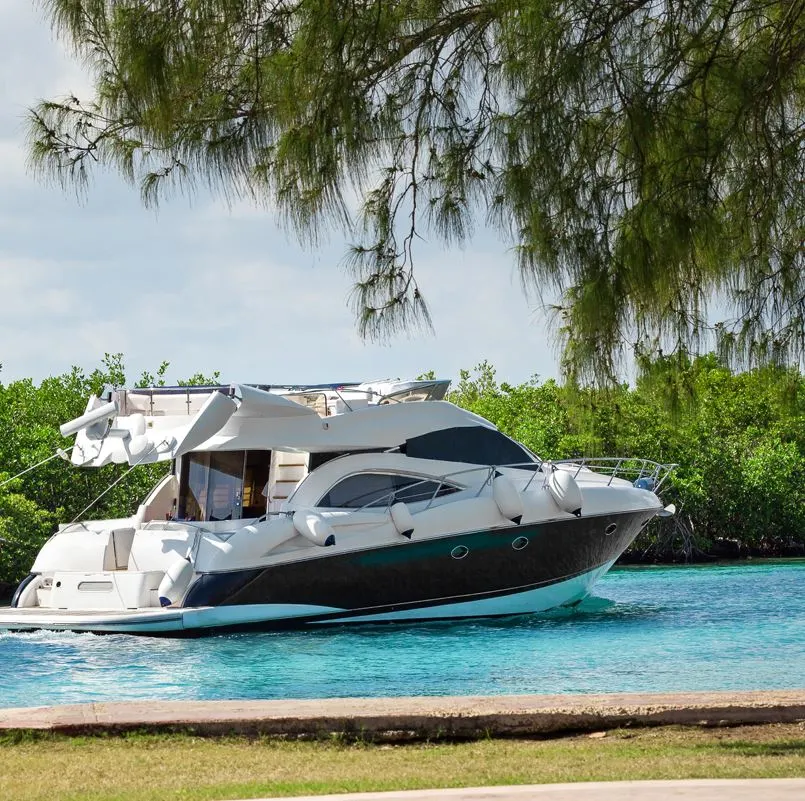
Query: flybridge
{"points": [[324, 399], [197, 389], [152, 424]]}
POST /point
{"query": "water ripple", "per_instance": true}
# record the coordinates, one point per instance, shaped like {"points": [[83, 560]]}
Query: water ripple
{"points": [[719, 627]]}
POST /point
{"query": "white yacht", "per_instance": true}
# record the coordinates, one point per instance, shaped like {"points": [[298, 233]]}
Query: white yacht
{"points": [[327, 504]]}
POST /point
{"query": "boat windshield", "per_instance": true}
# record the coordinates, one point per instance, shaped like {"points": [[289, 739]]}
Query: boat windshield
{"points": [[223, 485]]}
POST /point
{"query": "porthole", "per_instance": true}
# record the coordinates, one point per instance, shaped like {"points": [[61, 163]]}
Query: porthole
{"points": [[610, 529], [520, 543], [459, 552]]}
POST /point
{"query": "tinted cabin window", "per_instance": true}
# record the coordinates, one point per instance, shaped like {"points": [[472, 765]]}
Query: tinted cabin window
{"points": [[224, 490], [193, 486], [471, 444], [255, 479], [223, 485], [381, 489]]}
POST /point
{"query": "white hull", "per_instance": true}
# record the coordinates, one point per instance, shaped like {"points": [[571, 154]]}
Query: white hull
{"points": [[177, 621]]}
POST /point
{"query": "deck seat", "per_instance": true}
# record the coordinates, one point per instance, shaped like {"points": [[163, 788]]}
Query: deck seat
{"points": [[157, 549]]}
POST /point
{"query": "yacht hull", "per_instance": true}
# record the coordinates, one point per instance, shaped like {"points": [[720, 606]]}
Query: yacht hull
{"points": [[506, 571], [211, 620]]}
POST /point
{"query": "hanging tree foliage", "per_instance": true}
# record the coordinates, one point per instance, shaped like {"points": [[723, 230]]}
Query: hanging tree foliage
{"points": [[640, 156]]}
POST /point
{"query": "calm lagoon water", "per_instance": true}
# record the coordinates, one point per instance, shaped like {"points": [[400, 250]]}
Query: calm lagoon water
{"points": [[738, 626]]}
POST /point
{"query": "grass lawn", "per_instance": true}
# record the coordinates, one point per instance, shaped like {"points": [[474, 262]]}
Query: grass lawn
{"points": [[162, 767]]}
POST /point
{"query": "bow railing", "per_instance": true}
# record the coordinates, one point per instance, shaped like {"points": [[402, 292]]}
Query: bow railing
{"points": [[652, 474], [624, 467]]}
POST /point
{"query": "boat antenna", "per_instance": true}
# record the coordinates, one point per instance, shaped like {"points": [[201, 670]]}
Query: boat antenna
{"points": [[64, 454]]}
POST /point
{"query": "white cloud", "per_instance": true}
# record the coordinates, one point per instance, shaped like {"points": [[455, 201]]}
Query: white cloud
{"points": [[12, 163], [44, 319], [35, 64]]}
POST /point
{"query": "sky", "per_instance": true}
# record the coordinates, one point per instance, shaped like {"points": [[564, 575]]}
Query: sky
{"points": [[209, 287]]}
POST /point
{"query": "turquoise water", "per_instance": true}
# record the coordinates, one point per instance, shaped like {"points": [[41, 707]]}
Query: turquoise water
{"points": [[648, 629]]}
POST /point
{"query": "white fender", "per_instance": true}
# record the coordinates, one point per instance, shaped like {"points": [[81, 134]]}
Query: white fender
{"points": [[403, 519], [141, 449], [28, 597], [507, 499], [174, 582], [565, 491], [314, 528]]}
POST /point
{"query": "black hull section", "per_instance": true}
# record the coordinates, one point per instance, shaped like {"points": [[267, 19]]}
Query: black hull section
{"points": [[414, 574]]}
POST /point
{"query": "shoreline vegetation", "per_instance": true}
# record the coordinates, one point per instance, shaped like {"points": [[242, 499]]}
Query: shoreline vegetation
{"points": [[738, 438]]}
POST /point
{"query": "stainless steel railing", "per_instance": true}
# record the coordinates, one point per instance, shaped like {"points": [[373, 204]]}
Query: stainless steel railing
{"points": [[626, 468]]}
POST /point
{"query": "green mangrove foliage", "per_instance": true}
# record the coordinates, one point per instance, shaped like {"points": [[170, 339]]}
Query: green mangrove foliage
{"points": [[739, 440], [640, 157]]}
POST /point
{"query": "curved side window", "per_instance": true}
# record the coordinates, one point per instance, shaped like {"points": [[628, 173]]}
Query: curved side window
{"points": [[381, 489]]}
